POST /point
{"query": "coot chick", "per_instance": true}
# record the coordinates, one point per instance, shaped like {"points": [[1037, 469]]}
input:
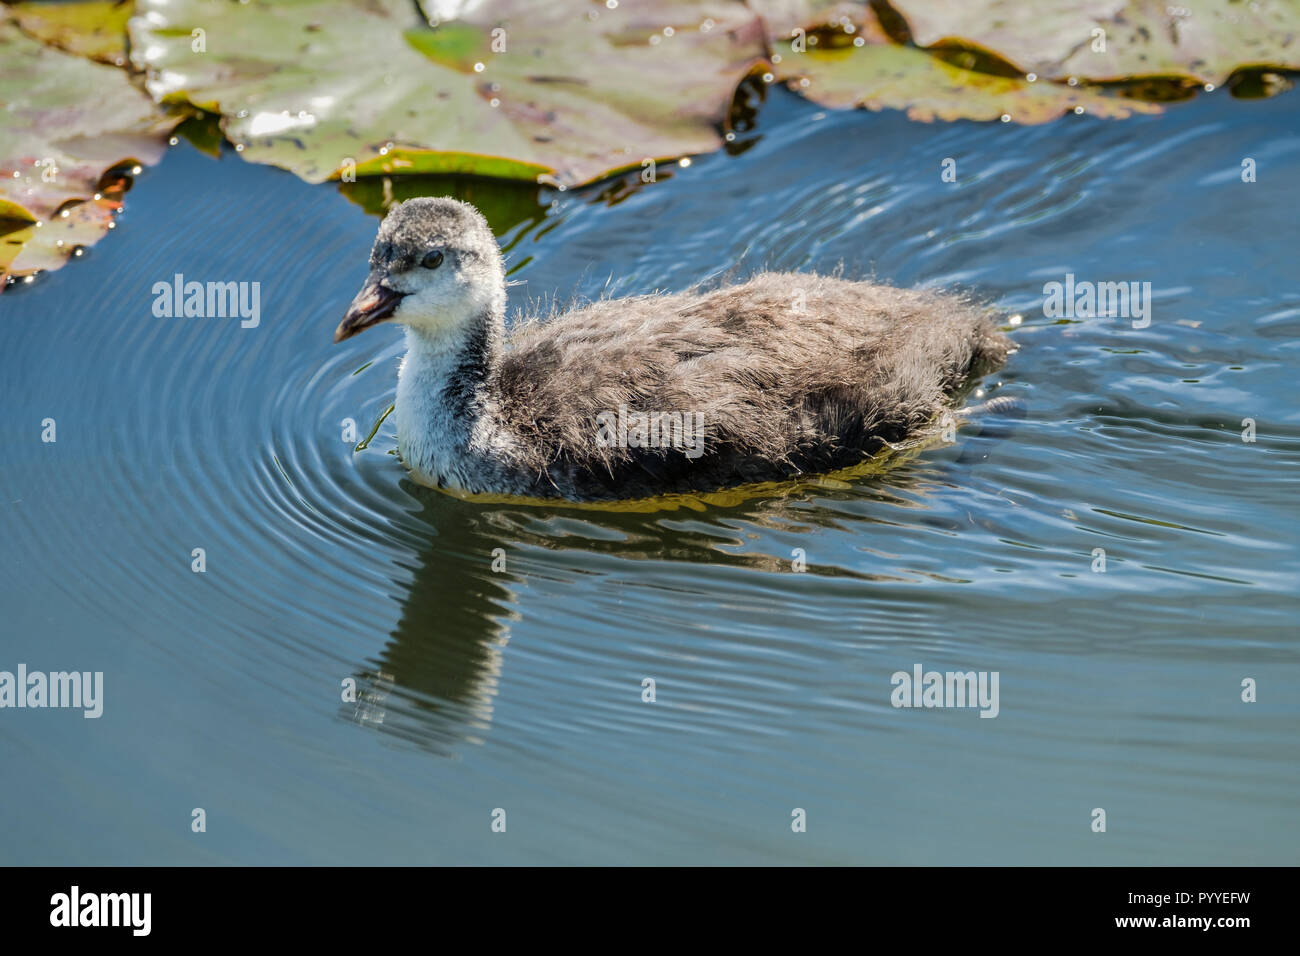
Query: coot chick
{"points": [[785, 375]]}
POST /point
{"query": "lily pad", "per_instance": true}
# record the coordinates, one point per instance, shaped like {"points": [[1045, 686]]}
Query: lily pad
{"points": [[784, 18], [556, 93], [879, 77], [66, 124], [94, 29], [63, 122], [45, 246], [13, 236], [1107, 40], [503, 204], [843, 58]]}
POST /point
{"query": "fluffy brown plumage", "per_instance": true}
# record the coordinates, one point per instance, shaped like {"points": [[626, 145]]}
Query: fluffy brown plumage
{"points": [[789, 373]]}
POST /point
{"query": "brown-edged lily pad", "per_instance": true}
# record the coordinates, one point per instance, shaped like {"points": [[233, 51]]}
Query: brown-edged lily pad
{"points": [[1205, 40], [92, 28], [786, 20], [886, 76], [560, 93], [839, 60], [45, 246], [64, 122]]}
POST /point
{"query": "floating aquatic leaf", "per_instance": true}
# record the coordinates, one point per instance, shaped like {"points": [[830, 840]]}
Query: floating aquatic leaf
{"points": [[785, 20], [203, 132], [842, 57], [45, 246], [64, 123], [94, 29], [13, 235], [503, 204], [561, 92], [1116, 39], [895, 77]]}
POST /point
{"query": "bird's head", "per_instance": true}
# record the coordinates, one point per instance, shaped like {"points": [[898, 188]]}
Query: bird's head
{"points": [[434, 267]]}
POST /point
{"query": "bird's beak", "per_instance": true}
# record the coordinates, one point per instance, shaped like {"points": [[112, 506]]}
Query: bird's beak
{"points": [[374, 303]]}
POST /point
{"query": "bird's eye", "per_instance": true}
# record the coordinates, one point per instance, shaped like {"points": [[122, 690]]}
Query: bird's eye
{"points": [[432, 260]]}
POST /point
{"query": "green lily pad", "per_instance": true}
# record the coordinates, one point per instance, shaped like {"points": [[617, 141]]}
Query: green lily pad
{"points": [[843, 58], [94, 29], [503, 204], [1205, 40], [879, 77], [556, 93], [13, 236]]}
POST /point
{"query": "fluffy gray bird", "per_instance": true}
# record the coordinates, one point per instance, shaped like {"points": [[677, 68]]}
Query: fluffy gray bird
{"points": [[788, 374]]}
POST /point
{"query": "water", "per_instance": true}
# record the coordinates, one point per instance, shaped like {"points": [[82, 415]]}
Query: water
{"points": [[521, 689]]}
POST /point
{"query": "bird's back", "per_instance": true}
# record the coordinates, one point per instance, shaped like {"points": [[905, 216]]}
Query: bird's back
{"points": [[789, 373]]}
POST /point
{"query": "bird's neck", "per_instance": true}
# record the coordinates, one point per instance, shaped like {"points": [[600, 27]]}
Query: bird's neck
{"points": [[443, 401]]}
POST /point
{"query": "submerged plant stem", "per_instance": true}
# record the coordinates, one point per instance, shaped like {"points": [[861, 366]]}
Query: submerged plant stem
{"points": [[365, 442]]}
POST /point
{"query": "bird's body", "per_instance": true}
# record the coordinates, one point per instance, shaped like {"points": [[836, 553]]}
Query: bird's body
{"points": [[785, 375]]}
